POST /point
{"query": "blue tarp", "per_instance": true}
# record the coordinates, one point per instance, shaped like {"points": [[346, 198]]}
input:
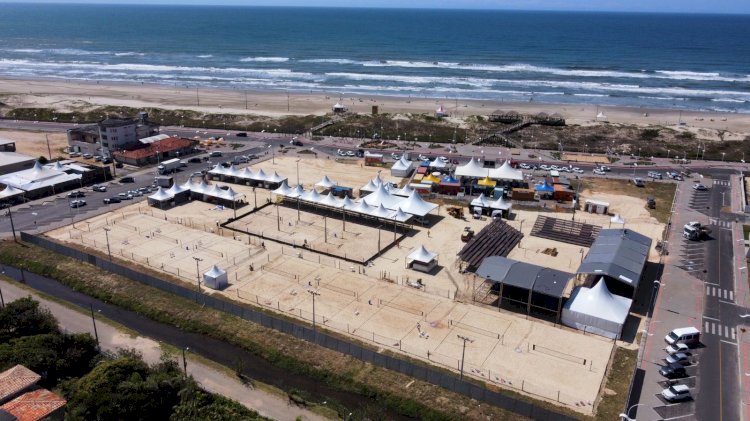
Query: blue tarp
{"points": [[448, 179], [544, 188], [425, 163]]}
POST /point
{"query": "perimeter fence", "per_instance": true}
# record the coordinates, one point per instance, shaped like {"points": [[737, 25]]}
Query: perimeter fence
{"points": [[436, 376]]}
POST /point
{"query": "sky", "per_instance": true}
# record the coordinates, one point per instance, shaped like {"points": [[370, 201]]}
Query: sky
{"points": [[656, 6]]}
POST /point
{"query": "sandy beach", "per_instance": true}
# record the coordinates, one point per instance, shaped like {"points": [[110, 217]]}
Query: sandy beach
{"points": [[65, 95]]}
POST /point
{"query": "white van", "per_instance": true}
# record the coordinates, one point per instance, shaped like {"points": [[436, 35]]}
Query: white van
{"points": [[656, 175], [689, 336]]}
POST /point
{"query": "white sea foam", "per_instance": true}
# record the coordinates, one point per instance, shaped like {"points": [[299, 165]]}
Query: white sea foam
{"points": [[129, 53], [205, 56], [265, 59], [741, 101], [330, 60]]}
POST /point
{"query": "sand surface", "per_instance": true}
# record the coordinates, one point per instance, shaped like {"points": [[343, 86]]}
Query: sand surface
{"points": [[71, 95]]}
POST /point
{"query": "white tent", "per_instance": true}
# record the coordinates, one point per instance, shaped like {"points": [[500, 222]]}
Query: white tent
{"points": [[217, 170], [260, 176], [230, 194], [369, 187], [405, 191], [297, 191], [348, 203], [275, 178], [330, 201], [472, 169], [311, 196], [215, 278], [416, 206], [596, 310], [176, 189], [402, 168], [502, 204], [381, 212], [283, 190], [362, 208], [382, 197], [10, 191], [160, 197], [481, 202], [247, 174], [325, 183], [400, 215], [438, 163], [617, 219], [422, 260], [233, 171], [506, 172], [200, 188]]}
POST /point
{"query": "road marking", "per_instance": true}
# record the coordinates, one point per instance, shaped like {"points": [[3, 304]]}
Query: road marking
{"points": [[728, 343], [711, 318], [679, 416], [726, 331], [734, 333], [705, 329], [711, 283]]}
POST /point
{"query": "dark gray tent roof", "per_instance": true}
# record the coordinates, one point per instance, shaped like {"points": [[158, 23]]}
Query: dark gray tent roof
{"points": [[618, 253], [524, 275]]}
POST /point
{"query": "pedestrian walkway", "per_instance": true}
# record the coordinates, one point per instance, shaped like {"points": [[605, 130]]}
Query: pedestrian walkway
{"points": [[724, 331], [721, 293], [722, 183], [720, 224]]}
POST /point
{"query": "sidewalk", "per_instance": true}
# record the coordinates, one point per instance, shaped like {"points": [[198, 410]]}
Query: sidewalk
{"points": [[212, 380]]}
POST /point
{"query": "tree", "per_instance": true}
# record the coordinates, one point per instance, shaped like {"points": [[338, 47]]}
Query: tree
{"points": [[54, 356], [24, 317]]}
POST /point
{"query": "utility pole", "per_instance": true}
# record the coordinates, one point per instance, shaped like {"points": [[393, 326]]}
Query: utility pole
{"points": [[197, 96], [246, 100], [198, 272], [12, 226], [463, 353], [106, 235], [313, 293], [49, 150], [184, 360]]}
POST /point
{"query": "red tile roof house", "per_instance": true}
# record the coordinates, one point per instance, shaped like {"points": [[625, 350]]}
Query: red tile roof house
{"points": [[40, 404], [21, 399], [166, 148]]}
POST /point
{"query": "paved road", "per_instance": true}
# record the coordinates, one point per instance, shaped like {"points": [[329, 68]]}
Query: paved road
{"points": [[77, 320]]}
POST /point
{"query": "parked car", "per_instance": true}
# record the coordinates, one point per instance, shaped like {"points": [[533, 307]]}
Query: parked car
{"points": [[88, 156], [76, 194], [545, 167], [241, 134], [700, 187], [673, 371], [97, 158], [524, 166], [677, 347], [350, 153], [127, 179], [676, 393], [106, 160], [113, 199], [252, 156], [679, 358], [194, 160], [639, 182], [77, 203], [99, 188]]}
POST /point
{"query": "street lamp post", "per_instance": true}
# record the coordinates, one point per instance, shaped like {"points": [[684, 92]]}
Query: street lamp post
{"points": [[626, 415], [106, 235], [12, 226], [298, 170], [313, 293], [93, 320], [463, 352], [184, 359], [198, 273], [723, 155]]}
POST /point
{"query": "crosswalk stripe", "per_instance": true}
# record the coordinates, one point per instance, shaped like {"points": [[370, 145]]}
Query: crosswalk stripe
{"points": [[725, 293], [706, 328], [731, 295], [726, 331], [713, 331], [734, 333]]}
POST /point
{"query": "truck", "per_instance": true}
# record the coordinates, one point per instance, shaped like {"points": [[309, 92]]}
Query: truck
{"points": [[695, 231], [164, 181], [170, 165]]}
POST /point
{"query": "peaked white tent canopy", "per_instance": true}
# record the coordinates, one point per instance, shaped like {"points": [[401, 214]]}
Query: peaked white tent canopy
{"points": [[502, 204], [405, 191], [381, 212], [177, 189], [326, 183], [260, 175], [331, 201], [247, 174], [160, 196], [275, 178], [297, 191], [481, 202], [381, 196], [421, 259], [283, 190], [416, 206], [596, 310], [421, 254], [215, 278], [369, 187], [10, 191], [402, 167], [311, 196], [506, 172], [400, 215], [438, 163], [472, 169], [348, 203]]}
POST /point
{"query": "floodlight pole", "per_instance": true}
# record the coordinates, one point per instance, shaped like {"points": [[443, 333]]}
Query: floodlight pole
{"points": [[325, 228], [298, 217], [106, 234], [463, 353], [313, 293], [198, 273], [93, 320], [278, 219], [255, 198], [184, 359], [12, 226]]}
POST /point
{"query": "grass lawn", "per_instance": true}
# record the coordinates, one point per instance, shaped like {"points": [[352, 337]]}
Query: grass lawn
{"points": [[618, 384], [662, 192]]}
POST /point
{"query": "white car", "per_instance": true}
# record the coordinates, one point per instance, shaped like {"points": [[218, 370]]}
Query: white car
{"points": [[599, 171], [442, 158], [77, 203], [554, 167], [395, 156], [545, 167], [675, 393], [524, 166], [422, 157], [700, 187], [349, 153], [679, 358], [677, 347]]}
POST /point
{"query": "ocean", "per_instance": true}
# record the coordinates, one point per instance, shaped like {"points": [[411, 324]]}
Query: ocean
{"points": [[695, 62]]}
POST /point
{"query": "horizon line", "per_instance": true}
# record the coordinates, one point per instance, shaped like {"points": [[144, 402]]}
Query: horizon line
{"points": [[497, 9]]}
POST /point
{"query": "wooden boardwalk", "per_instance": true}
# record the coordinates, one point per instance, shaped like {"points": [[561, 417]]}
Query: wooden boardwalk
{"points": [[496, 239], [565, 231]]}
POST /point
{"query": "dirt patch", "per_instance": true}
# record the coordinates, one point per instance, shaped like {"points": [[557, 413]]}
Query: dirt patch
{"points": [[662, 192]]}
